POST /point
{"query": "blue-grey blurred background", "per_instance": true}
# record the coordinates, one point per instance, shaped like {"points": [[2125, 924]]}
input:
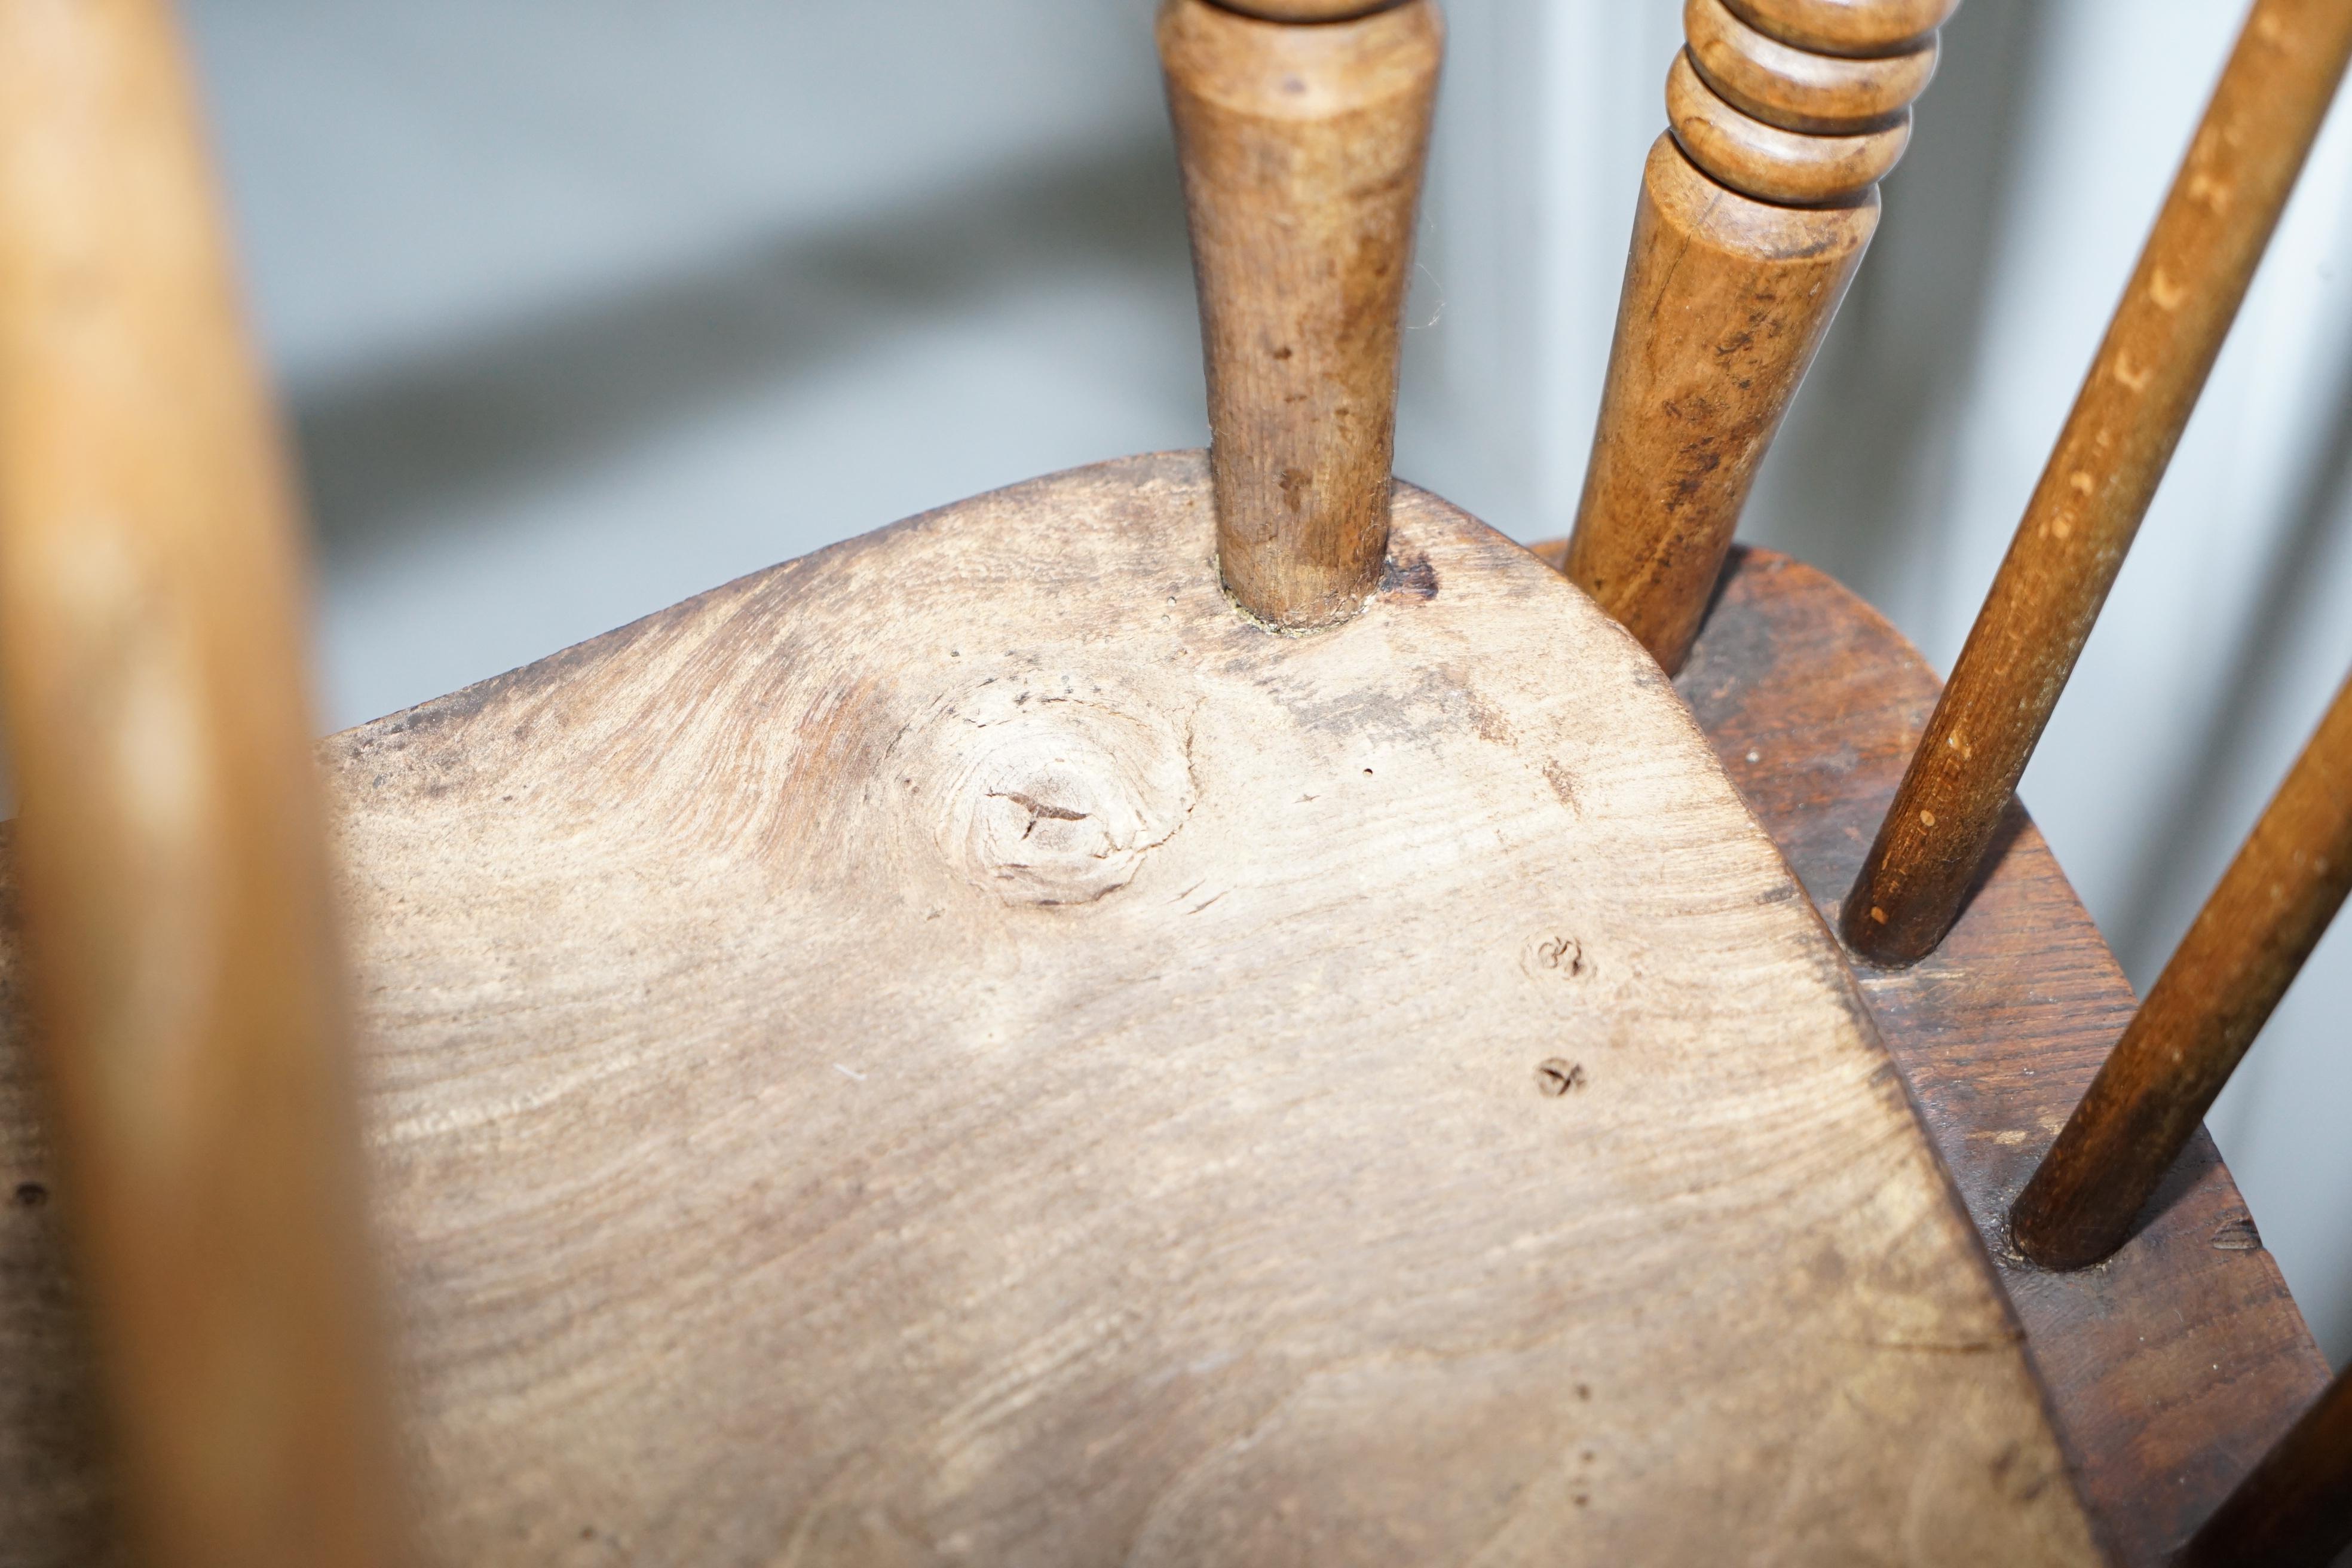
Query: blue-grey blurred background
{"points": [[582, 307]]}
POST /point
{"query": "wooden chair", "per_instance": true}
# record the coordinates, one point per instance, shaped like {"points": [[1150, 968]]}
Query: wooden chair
{"points": [[1199, 1009]]}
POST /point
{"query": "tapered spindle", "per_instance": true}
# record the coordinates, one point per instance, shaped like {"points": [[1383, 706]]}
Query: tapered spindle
{"points": [[1303, 142], [177, 904], [1755, 210], [2272, 906], [2126, 420], [2294, 1510]]}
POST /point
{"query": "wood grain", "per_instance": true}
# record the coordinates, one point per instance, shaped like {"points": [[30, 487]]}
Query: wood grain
{"points": [[2143, 384], [1302, 149], [937, 1054], [2216, 992], [2173, 1366], [177, 906], [1725, 303], [2296, 1510]]}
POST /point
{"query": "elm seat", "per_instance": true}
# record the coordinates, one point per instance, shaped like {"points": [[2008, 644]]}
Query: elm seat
{"points": [[929, 1054]]}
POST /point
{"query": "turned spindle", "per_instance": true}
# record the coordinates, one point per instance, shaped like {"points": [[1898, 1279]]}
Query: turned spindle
{"points": [[1302, 141], [2128, 416], [2271, 909], [1755, 210], [177, 899]]}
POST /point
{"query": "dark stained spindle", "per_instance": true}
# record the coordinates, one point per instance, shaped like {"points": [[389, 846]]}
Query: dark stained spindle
{"points": [[2272, 906]]}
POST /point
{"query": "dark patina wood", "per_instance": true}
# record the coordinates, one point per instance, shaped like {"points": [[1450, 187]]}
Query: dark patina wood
{"points": [[2171, 1367], [2296, 1510], [1302, 148]]}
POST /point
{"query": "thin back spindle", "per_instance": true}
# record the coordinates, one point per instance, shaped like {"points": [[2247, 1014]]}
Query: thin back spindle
{"points": [[177, 904], [1755, 210], [2272, 906], [2143, 384], [1303, 143]]}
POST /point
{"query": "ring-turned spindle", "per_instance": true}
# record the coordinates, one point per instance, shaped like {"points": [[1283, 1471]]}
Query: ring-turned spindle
{"points": [[1303, 141], [1755, 210]]}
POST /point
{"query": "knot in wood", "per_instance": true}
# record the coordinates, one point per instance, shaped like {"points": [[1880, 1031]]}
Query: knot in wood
{"points": [[1055, 786]]}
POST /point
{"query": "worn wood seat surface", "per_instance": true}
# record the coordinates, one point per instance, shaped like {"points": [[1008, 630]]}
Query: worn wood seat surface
{"points": [[2170, 1367], [960, 1048]]}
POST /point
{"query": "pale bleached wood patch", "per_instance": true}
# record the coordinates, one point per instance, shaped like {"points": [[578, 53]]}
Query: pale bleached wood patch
{"points": [[960, 1049]]}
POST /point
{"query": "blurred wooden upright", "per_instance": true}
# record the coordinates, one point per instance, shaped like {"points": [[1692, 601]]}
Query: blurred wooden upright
{"points": [[178, 918], [952, 1049]]}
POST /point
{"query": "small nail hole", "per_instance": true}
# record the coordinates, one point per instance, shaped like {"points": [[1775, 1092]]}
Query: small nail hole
{"points": [[1556, 1077]]}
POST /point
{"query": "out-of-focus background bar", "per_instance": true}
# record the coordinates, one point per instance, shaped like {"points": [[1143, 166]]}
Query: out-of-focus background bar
{"points": [[582, 305]]}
